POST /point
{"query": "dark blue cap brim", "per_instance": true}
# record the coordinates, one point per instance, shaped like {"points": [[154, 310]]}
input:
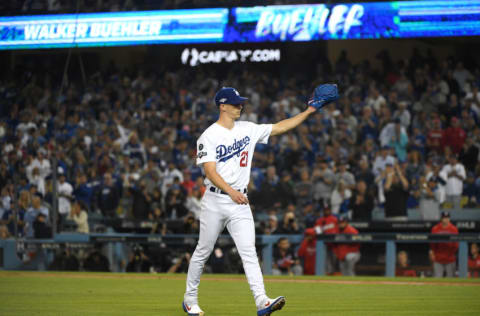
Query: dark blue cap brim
{"points": [[239, 100]]}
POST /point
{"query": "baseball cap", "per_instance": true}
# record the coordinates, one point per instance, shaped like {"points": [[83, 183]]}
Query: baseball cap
{"points": [[445, 214], [228, 95]]}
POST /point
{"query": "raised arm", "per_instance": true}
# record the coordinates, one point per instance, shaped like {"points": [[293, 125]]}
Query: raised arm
{"points": [[403, 180], [290, 123], [217, 180]]}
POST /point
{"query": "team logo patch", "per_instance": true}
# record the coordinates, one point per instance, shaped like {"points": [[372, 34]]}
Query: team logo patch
{"points": [[201, 154], [222, 100], [200, 147], [236, 92]]}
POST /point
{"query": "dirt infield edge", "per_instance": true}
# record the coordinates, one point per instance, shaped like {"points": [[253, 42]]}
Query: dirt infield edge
{"points": [[12, 274]]}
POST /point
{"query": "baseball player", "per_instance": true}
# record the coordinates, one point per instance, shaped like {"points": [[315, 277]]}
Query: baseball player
{"points": [[225, 151], [444, 254]]}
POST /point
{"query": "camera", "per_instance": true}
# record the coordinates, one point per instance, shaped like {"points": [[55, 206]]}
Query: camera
{"points": [[137, 250]]}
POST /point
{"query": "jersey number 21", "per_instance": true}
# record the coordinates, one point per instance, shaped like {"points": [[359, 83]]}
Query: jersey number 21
{"points": [[244, 159]]}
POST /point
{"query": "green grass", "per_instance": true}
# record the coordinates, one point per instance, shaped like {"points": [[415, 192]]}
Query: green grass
{"points": [[69, 294]]}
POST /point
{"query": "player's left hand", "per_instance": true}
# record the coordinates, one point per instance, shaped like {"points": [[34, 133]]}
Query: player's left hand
{"points": [[323, 94]]}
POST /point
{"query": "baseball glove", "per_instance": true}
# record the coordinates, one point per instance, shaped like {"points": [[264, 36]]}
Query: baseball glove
{"points": [[323, 94]]}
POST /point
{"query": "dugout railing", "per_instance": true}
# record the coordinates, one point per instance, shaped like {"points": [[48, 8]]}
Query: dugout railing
{"points": [[389, 239], [10, 248]]}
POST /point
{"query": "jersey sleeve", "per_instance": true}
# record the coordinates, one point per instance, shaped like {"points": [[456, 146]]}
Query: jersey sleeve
{"points": [[205, 150], [261, 132]]}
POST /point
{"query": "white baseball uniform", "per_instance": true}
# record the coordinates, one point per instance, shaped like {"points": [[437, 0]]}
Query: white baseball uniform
{"points": [[232, 150]]}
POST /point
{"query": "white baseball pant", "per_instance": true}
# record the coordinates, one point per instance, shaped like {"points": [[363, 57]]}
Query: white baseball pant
{"points": [[218, 211]]}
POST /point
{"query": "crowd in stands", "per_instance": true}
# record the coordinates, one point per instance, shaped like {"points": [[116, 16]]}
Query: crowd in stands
{"points": [[406, 136], [403, 138]]}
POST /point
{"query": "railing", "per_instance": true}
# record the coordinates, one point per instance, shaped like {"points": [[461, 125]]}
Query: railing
{"points": [[10, 261], [390, 240]]}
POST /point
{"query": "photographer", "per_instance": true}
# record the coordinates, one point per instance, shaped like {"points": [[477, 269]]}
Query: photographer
{"points": [[159, 226], [139, 261], [289, 225], [97, 261], [180, 264], [396, 193], [430, 199], [64, 260], [79, 216]]}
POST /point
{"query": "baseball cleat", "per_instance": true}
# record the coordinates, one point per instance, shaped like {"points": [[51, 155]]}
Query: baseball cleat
{"points": [[270, 306], [192, 310]]}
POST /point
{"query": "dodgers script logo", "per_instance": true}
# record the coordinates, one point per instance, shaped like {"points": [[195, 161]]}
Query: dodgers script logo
{"points": [[224, 153]]}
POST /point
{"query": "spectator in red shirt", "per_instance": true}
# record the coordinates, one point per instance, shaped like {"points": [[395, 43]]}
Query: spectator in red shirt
{"points": [[187, 183], [444, 254], [454, 136], [434, 137], [328, 224], [348, 254], [403, 266], [474, 261], [307, 251]]}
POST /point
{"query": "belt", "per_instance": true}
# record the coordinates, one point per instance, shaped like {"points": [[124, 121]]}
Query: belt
{"points": [[217, 190]]}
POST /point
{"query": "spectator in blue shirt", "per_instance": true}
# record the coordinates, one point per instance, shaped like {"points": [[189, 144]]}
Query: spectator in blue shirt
{"points": [[32, 214], [83, 191], [418, 141], [399, 141], [109, 196]]}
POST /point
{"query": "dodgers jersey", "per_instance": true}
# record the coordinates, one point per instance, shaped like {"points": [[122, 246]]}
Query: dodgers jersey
{"points": [[232, 150]]}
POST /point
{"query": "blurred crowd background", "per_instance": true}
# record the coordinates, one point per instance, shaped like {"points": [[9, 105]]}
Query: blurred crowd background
{"points": [[125, 143], [403, 139]]}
